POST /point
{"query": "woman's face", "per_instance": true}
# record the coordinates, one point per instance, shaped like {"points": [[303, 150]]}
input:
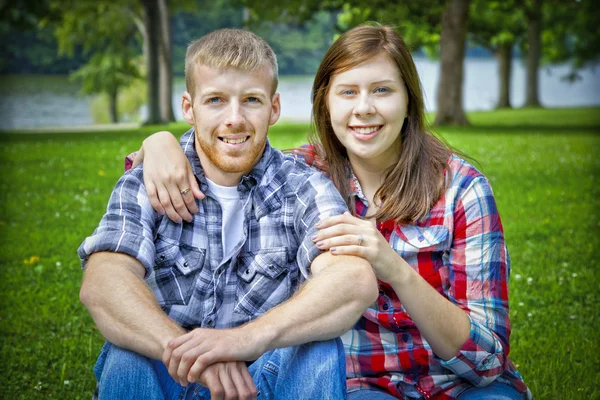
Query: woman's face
{"points": [[368, 105]]}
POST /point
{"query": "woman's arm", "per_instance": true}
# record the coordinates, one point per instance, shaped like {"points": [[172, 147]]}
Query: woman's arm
{"points": [[167, 172], [471, 332]]}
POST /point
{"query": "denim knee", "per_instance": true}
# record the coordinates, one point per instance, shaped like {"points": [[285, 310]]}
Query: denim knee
{"points": [[124, 374]]}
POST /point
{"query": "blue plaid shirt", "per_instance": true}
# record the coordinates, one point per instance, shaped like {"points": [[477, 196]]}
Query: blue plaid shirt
{"points": [[193, 281]]}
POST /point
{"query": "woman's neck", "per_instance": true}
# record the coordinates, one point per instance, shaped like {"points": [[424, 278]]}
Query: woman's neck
{"points": [[370, 175]]}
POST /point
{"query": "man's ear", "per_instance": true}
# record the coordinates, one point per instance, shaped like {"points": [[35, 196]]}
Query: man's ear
{"points": [[187, 109], [275, 109]]}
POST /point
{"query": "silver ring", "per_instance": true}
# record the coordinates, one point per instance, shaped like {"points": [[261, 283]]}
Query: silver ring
{"points": [[185, 191], [360, 239]]}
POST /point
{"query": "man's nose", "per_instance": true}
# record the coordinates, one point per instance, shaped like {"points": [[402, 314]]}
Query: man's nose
{"points": [[235, 117]]}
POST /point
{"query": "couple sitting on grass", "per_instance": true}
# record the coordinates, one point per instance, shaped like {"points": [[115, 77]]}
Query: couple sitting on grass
{"points": [[370, 264]]}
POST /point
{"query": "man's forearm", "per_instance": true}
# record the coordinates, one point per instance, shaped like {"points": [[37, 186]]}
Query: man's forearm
{"points": [[123, 307], [325, 307]]}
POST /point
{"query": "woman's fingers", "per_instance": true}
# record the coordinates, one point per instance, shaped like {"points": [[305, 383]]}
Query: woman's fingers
{"points": [[343, 240], [341, 229], [153, 197], [195, 189], [165, 201]]}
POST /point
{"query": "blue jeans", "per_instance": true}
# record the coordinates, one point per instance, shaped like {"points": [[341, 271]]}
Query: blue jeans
{"points": [[494, 391], [310, 371]]}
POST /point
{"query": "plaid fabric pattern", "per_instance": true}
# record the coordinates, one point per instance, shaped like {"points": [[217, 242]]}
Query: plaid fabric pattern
{"points": [[193, 281], [459, 249]]}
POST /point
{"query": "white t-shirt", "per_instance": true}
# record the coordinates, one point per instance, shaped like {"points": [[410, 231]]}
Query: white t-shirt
{"points": [[233, 214]]}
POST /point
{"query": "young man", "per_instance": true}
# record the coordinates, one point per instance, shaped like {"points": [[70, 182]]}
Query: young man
{"points": [[209, 296]]}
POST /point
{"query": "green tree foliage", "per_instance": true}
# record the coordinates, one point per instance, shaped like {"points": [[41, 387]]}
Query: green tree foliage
{"points": [[108, 73], [571, 33], [108, 34]]}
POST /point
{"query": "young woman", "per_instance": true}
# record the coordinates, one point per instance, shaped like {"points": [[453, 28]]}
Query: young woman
{"points": [[423, 217]]}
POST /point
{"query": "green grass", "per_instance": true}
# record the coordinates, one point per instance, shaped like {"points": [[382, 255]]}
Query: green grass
{"points": [[543, 166]]}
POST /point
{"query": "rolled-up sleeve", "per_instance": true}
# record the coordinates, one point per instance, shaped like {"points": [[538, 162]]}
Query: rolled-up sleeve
{"points": [[316, 200], [480, 267], [127, 226]]}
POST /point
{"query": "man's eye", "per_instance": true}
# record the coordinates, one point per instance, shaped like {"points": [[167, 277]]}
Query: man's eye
{"points": [[214, 100], [253, 100]]}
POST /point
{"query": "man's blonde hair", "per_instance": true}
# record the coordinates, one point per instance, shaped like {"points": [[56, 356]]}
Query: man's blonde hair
{"points": [[229, 48]]}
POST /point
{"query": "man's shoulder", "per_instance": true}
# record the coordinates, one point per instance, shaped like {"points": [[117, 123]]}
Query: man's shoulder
{"points": [[294, 174]]}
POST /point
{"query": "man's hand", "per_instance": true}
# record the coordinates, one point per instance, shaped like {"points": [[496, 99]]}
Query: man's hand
{"points": [[228, 380], [189, 355]]}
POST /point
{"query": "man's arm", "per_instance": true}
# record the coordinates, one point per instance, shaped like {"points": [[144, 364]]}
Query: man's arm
{"points": [[123, 307], [326, 306]]}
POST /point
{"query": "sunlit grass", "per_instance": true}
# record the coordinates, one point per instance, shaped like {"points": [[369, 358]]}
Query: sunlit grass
{"points": [[543, 166]]}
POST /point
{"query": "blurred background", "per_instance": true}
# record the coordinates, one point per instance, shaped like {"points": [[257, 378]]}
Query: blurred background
{"points": [[77, 63]]}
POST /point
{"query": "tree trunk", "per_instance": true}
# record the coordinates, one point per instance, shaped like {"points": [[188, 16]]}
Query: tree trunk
{"points": [[152, 47], [165, 66], [503, 54], [112, 103], [452, 54], [534, 41]]}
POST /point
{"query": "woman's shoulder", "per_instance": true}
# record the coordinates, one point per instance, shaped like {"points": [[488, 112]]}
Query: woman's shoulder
{"points": [[462, 172], [311, 155]]}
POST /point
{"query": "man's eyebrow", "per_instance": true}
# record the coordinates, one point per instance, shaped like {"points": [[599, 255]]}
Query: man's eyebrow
{"points": [[211, 92], [256, 92]]}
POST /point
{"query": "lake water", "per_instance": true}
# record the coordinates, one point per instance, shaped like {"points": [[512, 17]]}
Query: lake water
{"points": [[53, 101]]}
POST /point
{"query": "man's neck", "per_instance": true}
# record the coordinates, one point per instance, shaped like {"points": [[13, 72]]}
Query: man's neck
{"points": [[220, 177]]}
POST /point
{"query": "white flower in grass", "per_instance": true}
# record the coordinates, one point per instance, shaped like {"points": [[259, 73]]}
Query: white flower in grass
{"points": [[518, 277], [58, 263], [529, 280], [521, 304], [530, 314], [574, 275], [67, 382]]}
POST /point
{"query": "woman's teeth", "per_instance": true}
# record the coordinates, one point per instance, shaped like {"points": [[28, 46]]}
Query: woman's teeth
{"points": [[366, 131]]}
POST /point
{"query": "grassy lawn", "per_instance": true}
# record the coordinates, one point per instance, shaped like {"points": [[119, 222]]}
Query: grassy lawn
{"points": [[543, 165]]}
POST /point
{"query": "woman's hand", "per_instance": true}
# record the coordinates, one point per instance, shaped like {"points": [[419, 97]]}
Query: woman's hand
{"points": [[345, 234], [167, 175]]}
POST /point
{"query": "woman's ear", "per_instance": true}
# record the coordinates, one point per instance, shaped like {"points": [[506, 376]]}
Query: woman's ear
{"points": [[187, 109]]}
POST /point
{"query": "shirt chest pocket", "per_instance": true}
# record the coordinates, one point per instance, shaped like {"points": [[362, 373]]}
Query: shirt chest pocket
{"points": [[425, 248], [411, 238], [263, 281], [176, 271]]}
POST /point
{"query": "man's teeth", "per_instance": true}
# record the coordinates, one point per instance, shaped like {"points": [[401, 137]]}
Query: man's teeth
{"points": [[235, 141], [367, 130]]}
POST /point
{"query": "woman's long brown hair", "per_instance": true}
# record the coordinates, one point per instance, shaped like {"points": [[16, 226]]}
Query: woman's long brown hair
{"points": [[413, 185]]}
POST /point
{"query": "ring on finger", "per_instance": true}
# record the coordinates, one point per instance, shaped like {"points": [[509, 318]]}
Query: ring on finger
{"points": [[185, 191], [360, 240]]}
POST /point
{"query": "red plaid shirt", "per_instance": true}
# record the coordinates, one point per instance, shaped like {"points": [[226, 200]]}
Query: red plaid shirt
{"points": [[459, 249]]}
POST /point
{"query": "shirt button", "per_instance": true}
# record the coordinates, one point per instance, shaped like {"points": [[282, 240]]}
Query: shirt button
{"points": [[385, 306], [186, 265], [405, 337], [271, 267], [209, 322], [247, 272], [213, 218], [381, 292], [162, 257]]}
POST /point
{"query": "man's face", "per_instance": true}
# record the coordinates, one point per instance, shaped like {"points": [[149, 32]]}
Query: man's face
{"points": [[231, 112]]}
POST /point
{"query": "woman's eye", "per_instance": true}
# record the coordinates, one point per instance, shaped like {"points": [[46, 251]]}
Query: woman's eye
{"points": [[348, 92], [382, 90]]}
